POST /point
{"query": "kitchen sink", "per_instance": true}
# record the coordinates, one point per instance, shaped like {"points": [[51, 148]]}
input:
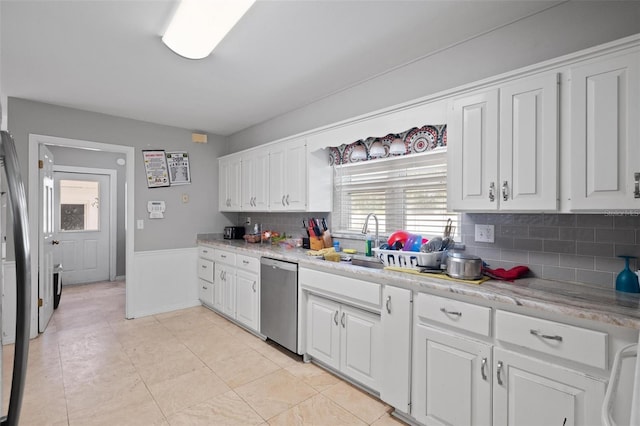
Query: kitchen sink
{"points": [[367, 262]]}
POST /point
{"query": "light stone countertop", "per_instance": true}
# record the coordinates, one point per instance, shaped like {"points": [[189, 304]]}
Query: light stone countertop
{"points": [[563, 298]]}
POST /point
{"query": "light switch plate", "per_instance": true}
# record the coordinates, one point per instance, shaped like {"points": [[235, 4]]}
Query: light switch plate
{"points": [[485, 233]]}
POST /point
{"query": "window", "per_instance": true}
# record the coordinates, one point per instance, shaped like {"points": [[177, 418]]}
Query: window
{"points": [[408, 192], [79, 205]]}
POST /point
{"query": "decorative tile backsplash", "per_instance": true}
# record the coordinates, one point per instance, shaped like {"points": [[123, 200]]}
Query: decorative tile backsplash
{"points": [[565, 247], [289, 223]]}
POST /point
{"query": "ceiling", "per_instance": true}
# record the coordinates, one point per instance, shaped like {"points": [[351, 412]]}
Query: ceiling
{"points": [[106, 56]]}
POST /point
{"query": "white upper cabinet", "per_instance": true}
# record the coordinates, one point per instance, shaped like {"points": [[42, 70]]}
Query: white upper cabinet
{"points": [[604, 133], [503, 147], [472, 152], [229, 184], [255, 180], [529, 144], [282, 176], [288, 176]]}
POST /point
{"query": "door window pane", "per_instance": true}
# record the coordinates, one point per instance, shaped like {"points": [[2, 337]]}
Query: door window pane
{"points": [[79, 205]]}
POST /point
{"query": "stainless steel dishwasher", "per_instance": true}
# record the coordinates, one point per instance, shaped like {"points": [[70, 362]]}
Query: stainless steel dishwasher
{"points": [[279, 302]]}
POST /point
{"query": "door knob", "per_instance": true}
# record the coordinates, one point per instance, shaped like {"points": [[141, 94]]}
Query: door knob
{"points": [[55, 242]]}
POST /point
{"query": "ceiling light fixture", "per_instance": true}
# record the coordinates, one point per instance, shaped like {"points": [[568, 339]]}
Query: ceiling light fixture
{"points": [[199, 25]]}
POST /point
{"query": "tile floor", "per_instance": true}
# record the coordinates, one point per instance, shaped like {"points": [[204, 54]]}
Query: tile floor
{"points": [[188, 367]]}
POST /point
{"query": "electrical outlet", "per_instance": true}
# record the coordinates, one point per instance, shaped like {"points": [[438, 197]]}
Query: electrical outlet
{"points": [[485, 234], [248, 221], [185, 198], [140, 224]]}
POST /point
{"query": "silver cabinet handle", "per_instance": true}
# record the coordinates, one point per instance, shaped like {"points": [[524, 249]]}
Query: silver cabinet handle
{"points": [[283, 200], [205, 251], [458, 314], [492, 192], [342, 320], [246, 262], [204, 266], [335, 317], [223, 256], [483, 368], [545, 336], [505, 191], [287, 199], [254, 286], [499, 372], [636, 192], [221, 275], [204, 288], [388, 304]]}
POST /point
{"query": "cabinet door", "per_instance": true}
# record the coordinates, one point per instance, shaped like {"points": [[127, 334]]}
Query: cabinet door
{"points": [[205, 292], [229, 184], [451, 379], [360, 346], [296, 175], [323, 330], [218, 301], [605, 133], [255, 181], [532, 392], [247, 299], [277, 191], [228, 290], [529, 144], [472, 152], [396, 350]]}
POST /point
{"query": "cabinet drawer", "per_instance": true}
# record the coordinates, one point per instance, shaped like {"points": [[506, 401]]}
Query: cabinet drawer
{"points": [[251, 264], [205, 269], [462, 315], [224, 257], [206, 252], [554, 338], [349, 288]]}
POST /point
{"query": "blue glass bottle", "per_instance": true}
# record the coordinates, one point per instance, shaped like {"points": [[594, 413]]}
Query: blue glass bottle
{"points": [[627, 280]]}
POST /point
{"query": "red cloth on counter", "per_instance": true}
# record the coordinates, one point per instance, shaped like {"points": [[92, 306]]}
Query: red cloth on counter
{"points": [[505, 275]]}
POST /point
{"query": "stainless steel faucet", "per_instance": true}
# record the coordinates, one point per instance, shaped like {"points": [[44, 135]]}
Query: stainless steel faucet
{"points": [[365, 228]]}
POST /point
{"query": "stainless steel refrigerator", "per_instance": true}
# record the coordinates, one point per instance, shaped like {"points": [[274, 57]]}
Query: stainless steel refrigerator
{"points": [[18, 206]]}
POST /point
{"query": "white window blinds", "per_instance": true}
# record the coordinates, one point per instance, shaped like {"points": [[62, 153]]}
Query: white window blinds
{"points": [[408, 192]]}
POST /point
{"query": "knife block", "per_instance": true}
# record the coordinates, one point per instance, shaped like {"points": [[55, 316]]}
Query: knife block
{"points": [[316, 243]]}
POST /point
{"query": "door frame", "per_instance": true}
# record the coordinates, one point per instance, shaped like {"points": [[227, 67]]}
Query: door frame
{"points": [[33, 204], [113, 211]]}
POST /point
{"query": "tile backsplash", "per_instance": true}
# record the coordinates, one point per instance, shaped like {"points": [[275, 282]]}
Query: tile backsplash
{"points": [[566, 247], [289, 223]]}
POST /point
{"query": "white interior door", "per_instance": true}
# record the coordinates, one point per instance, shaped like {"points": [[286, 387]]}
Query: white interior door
{"points": [[45, 248], [83, 226]]}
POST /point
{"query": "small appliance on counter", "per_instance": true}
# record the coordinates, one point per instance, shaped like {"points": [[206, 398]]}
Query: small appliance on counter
{"points": [[233, 232]]}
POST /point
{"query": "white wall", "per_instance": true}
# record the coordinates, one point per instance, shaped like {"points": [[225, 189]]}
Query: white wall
{"points": [[569, 27]]}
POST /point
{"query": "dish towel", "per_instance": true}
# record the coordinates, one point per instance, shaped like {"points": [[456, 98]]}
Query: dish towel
{"points": [[504, 274], [440, 276]]}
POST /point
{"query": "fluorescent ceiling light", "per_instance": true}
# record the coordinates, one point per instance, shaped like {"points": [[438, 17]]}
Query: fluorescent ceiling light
{"points": [[199, 25]]}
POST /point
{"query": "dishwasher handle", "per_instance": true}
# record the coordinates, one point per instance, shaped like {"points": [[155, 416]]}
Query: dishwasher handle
{"points": [[279, 264]]}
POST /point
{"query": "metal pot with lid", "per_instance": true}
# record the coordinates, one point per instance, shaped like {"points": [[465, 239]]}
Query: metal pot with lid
{"points": [[464, 266]]}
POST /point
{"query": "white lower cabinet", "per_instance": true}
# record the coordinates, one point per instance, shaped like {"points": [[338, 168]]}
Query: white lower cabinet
{"points": [[228, 283], [451, 379], [462, 375], [234, 289], [345, 338], [206, 275], [528, 391], [247, 298], [395, 382]]}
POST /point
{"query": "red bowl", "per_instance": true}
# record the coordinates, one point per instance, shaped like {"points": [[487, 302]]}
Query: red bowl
{"points": [[401, 236]]}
